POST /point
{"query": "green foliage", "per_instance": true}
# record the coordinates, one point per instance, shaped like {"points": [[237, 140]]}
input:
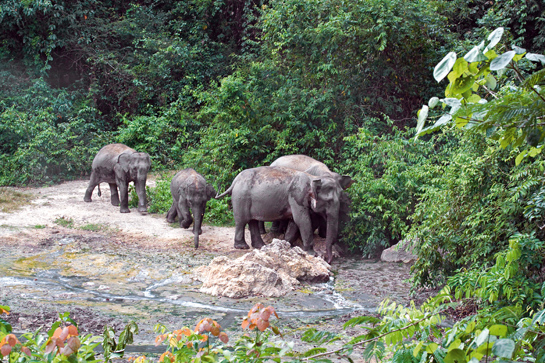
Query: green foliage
{"points": [[46, 136], [390, 172], [512, 115], [117, 350], [515, 278]]}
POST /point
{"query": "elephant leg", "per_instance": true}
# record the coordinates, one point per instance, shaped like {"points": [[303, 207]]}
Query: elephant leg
{"points": [[302, 219], [172, 213], [184, 213], [257, 241], [93, 182], [114, 196], [319, 222], [124, 196], [262, 229], [276, 227], [240, 242], [292, 232]]}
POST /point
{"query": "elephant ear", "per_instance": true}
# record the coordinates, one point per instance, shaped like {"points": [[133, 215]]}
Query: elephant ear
{"points": [[315, 186], [124, 161], [346, 181], [210, 192]]}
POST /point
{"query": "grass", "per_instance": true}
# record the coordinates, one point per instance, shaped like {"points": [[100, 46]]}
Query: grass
{"points": [[65, 222], [93, 227], [11, 199]]}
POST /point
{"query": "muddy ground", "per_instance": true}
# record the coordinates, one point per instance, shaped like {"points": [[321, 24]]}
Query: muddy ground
{"points": [[59, 254]]}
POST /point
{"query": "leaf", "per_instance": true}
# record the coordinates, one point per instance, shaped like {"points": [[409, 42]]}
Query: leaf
{"points": [[455, 356], [490, 81], [482, 337], [416, 350], [245, 323], [262, 324], [422, 115], [494, 37], [433, 102], [539, 318], [504, 348], [430, 348], [223, 337], [502, 61], [475, 55], [498, 330], [520, 157], [442, 69], [536, 57]]}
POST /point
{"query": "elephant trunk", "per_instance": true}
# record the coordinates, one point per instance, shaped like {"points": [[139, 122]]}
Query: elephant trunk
{"points": [[140, 187], [331, 234], [197, 215]]}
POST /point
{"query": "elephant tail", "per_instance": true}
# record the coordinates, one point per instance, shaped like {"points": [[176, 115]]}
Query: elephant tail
{"points": [[228, 191], [99, 192]]}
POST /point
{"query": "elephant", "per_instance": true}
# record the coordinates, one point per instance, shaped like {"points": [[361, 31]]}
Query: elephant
{"points": [[270, 193], [317, 168], [117, 165], [189, 191]]}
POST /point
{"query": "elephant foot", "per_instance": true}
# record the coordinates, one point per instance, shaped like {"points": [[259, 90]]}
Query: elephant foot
{"points": [[143, 212], [115, 204], [241, 246], [170, 220], [309, 250], [125, 210], [258, 245], [87, 200], [185, 224]]}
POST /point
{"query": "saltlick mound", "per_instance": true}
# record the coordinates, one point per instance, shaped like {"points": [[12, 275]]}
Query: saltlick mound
{"points": [[272, 271]]}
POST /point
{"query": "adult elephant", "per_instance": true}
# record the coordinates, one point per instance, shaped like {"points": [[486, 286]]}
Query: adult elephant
{"points": [[189, 191], [117, 165], [317, 168], [271, 193]]}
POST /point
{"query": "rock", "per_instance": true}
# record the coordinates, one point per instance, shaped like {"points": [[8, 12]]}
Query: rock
{"points": [[400, 252], [272, 271]]}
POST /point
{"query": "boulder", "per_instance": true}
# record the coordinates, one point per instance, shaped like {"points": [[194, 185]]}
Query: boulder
{"points": [[400, 252], [272, 271]]}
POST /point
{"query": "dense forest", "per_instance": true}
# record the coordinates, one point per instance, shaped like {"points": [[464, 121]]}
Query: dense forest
{"points": [[225, 85]]}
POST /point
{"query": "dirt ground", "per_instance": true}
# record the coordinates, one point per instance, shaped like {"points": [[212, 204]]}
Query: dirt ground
{"points": [[59, 254]]}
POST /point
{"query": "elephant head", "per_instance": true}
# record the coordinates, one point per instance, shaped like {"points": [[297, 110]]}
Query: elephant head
{"points": [[197, 202], [325, 199], [134, 167]]}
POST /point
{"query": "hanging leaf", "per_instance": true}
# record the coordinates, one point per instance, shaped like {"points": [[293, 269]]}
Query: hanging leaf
{"points": [[499, 330], [504, 348], [475, 55], [494, 38], [455, 356], [443, 68], [536, 57], [490, 81], [422, 115], [433, 102], [502, 61]]}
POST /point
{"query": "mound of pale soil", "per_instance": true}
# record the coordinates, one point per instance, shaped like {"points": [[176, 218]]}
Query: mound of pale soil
{"points": [[272, 271]]}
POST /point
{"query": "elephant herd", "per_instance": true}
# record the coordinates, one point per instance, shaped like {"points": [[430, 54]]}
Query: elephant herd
{"points": [[296, 192]]}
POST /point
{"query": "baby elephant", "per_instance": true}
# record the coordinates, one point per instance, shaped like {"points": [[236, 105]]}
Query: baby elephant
{"points": [[189, 190]]}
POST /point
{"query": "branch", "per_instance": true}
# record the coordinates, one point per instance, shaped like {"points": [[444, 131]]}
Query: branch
{"points": [[532, 88], [375, 338]]}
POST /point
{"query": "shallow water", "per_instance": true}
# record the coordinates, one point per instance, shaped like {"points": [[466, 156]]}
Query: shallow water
{"points": [[150, 286]]}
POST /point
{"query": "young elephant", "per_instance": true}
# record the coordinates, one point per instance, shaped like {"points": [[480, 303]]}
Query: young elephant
{"points": [[189, 190], [275, 193], [117, 165]]}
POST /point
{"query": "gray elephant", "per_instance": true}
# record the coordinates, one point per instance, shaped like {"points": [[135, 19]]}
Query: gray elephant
{"points": [[189, 191], [317, 168], [276, 193], [117, 165]]}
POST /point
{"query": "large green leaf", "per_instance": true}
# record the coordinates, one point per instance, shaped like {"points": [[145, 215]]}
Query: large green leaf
{"points": [[499, 330], [536, 57], [475, 55], [502, 61], [443, 68], [494, 38], [422, 115], [455, 356], [504, 348]]}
